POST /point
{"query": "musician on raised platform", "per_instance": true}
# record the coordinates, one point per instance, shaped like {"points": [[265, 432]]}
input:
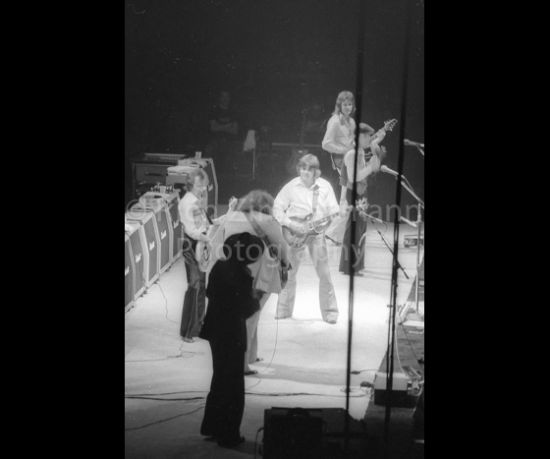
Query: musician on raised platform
{"points": [[307, 199], [340, 134], [370, 154]]}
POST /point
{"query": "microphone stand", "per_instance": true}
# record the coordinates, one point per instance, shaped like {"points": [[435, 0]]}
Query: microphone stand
{"points": [[419, 225], [415, 144], [420, 150], [387, 245], [419, 235]]}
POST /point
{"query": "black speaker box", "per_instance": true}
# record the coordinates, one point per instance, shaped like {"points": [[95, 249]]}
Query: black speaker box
{"points": [[176, 225], [129, 274], [152, 240], [138, 260], [163, 220], [309, 433]]}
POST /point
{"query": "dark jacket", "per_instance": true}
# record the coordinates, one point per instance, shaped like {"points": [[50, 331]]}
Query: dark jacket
{"points": [[230, 303]]}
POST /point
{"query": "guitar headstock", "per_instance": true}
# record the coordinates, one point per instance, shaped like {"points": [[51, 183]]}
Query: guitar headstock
{"points": [[390, 124], [232, 205]]}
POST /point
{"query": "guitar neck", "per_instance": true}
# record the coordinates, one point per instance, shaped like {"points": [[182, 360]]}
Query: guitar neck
{"points": [[324, 219], [379, 132]]}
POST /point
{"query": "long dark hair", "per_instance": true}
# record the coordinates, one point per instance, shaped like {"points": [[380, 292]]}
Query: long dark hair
{"points": [[258, 200], [343, 96]]}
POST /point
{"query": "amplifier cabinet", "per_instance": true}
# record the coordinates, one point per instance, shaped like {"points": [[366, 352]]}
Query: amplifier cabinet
{"points": [[147, 219], [310, 433], [139, 257], [177, 242], [293, 433], [150, 172], [157, 201], [129, 274], [146, 174], [160, 217]]}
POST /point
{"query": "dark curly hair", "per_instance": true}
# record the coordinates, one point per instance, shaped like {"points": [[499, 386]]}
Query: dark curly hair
{"points": [[258, 200]]}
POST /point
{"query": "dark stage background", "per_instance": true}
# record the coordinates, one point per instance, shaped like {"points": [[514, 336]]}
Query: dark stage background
{"points": [[277, 58]]}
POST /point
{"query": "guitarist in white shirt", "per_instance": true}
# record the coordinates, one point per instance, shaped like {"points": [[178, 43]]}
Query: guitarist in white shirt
{"points": [[301, 203], [195, 225]]}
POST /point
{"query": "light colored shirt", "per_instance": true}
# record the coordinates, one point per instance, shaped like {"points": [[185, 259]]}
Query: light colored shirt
{"points": [[296, 200], [339, 137], [237, 222], [192, 216]]}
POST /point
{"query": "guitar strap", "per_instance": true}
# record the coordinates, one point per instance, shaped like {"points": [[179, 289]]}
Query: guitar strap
{"points": [[334, 166], [315, 199], [261, 235], [206, 215]]}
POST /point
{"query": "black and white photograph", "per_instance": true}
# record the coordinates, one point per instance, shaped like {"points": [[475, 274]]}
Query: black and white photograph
{"points": [[274, 200]]}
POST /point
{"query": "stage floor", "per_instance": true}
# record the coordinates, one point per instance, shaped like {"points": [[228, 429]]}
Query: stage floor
{"points": [[304, 358]]}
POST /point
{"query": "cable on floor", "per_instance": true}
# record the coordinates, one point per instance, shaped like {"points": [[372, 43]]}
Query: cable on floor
{"points": [[165, 419]]}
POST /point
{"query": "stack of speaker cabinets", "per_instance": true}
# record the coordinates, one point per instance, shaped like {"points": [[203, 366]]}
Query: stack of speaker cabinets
{"points": [[129, 274], [149, 235], [156, 200], [172, 201], [140, 256], [177, 175], [156, 203], [153, 230]]}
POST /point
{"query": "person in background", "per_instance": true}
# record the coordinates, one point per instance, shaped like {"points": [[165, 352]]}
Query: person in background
{"points": [[231, 300], [223, 129], [196, 226]]}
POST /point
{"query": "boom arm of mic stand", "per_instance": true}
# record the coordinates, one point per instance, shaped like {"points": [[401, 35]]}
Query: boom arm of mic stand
{"points": [[411, 192], [420, 150]]}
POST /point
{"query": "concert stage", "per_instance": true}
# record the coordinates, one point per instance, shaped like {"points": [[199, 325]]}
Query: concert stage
{"points": [[304, 358]]}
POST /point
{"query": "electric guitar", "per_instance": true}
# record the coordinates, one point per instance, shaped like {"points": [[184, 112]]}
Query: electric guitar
{"points": [[309, 228], [338, 160], [296, 239], [388, 127]]}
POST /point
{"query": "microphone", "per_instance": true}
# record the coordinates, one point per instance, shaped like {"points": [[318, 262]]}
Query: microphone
{"points": [[411, 143], [408, 222], [387, 170]]}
